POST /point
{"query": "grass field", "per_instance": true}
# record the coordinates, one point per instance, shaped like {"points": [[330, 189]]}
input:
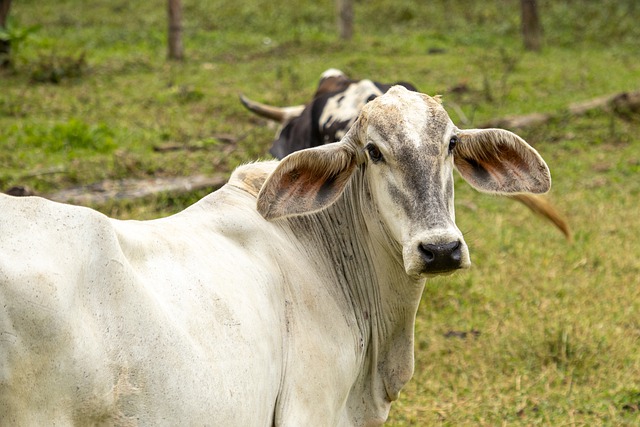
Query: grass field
{"points": [[540, 331]]}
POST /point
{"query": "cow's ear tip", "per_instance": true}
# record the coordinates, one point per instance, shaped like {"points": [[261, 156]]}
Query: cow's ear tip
{"points": [[542, 182], [544, 188], [262, 207], [267, 207], [266, 200]]}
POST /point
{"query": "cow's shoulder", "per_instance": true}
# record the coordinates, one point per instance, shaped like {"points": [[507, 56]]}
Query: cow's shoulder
{"points": [[250, 177]]}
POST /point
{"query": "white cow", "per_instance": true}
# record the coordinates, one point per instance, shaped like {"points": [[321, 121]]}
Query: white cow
{"points": [[288, 297]]}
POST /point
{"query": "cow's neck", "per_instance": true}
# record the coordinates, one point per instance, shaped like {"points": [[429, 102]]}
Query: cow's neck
{"points": [[370, 276]]}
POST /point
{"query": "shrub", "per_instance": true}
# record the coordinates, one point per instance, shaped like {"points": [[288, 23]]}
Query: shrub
{"points": [[53, 69]]}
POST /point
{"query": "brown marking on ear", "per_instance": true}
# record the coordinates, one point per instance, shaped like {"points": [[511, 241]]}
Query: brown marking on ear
{"points": [[307, 181], [501, 172]]}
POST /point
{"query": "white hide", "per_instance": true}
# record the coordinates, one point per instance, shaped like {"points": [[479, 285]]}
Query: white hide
{"points": [[213, 316], [138, 323], [345, 107]]}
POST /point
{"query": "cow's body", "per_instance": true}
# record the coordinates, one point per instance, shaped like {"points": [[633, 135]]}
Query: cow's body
{"points": [[288, 297], [109, 321]]}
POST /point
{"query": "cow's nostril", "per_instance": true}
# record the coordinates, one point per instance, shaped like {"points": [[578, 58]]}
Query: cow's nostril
{"points": [[427, 254], [441, 257], [456, 253]]}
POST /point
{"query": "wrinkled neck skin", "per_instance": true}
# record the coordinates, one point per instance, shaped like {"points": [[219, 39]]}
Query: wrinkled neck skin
{"points": [[370, 279]]}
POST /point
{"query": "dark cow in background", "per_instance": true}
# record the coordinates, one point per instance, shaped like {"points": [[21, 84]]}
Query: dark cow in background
{"points": [[327, 118], [331, 112]]}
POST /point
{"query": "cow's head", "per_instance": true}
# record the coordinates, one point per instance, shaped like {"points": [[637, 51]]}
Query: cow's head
{"points": [[406, 147]]}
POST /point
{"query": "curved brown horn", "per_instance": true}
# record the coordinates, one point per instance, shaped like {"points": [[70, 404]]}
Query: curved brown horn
{"points": [[278, 114], [541, 206]]}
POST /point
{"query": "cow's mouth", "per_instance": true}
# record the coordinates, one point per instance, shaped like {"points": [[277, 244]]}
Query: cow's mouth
{"points": [[436, 259]]}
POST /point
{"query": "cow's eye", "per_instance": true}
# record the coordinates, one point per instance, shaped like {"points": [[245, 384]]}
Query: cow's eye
{"points": [[452, 143], [374, 153]]}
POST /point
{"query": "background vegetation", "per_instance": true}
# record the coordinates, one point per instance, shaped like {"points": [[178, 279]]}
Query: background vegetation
{"points": [[540, 331]]}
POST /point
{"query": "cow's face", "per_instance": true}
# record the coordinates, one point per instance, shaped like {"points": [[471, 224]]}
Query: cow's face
{"points": [[341, 109], [406, 147], [409, 142]]}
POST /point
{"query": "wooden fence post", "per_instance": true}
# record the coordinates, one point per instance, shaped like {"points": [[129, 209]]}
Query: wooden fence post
{"points": [[5, 45], [345, 18], [531, 28], [176, 50]]}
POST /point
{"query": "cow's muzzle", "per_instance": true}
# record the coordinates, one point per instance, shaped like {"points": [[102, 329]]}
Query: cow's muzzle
{"points": [[442, 257], [439, 251]]}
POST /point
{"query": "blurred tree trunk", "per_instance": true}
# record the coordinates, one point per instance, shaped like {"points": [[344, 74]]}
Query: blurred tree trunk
{"points": [[345, 18], [5, 45], [176, 50], [531, 28]]}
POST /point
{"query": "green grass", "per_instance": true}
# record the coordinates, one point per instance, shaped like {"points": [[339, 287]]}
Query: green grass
{"points": [[552, 328]]}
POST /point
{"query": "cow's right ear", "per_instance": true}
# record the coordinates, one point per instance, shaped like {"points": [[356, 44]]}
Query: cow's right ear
{"points": [[307, 181]]}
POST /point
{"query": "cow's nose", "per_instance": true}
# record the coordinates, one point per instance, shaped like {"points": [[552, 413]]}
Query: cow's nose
{"points": [[442, 257]]}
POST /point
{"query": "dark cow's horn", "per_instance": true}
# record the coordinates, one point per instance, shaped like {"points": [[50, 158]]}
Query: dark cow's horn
{"points": [[278, 114]]}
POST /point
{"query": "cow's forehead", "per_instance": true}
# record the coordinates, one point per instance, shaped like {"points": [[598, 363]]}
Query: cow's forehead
{"points": [[401, 112]]}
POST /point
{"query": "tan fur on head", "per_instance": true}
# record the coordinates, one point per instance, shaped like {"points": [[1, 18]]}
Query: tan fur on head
{"points": [[251, 177]]}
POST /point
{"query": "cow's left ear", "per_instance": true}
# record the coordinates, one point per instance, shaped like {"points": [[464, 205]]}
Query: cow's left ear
{"points": [[307, 180], [499, 161]]}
